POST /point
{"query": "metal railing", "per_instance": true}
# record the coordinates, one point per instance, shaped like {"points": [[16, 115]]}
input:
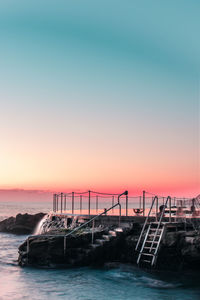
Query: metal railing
{"points": [[67, 203], [161, 217], [82, 225], [94, 218], [155, 200], [145, 223]]}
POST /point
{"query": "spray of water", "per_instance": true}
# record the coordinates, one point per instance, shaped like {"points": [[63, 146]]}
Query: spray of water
{"points": [[40, 227]]}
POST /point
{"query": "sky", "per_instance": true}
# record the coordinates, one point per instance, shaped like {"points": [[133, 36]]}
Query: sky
{"points": [[100, 95]]}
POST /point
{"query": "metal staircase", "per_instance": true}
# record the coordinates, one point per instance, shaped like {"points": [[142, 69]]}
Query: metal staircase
{"points": [[151, 237]]}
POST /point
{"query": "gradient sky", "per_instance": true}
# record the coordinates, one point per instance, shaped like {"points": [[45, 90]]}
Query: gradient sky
{"points": [[100, 95]]}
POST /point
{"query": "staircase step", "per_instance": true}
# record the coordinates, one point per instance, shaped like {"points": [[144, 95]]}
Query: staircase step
{"points": [[112, 233], [153, 248], [94, 246], [157, 235], [118, 229], [154, 229], [147, 254], [100, 241], [144, 260], [106, 237], [152, 242]]}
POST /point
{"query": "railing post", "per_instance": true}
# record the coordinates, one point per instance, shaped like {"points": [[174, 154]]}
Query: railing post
{"points": [[72, 202], [64, 245], [143, 203], [120, 212], [97, 203], [61, 202], [54, 202], [89, 203], [156, 209], [81, 203], [65, 202], [113, 200], [92, 231], [127, 204], [124, 193], [57, 200], [170, 212], [27, 248]]}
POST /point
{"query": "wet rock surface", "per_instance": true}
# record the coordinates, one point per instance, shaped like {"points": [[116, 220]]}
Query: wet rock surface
{"points": [[21, 224]]}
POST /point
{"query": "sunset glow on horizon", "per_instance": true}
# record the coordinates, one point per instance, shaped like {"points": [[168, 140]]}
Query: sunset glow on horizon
{"points": [[96, 99]]}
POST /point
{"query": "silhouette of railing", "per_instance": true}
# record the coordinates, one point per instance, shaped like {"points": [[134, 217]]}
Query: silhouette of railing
{"points": [[93, 202]]}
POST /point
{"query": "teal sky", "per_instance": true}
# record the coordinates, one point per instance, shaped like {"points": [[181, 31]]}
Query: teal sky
{"points": [[105, 90]]}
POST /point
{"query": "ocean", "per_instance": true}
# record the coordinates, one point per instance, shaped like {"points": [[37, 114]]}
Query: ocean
{"points": [[124, 282]]}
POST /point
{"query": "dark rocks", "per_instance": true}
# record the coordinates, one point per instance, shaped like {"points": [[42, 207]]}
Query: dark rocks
{"points": [[22, 224], [48, 251], [180, 250]]}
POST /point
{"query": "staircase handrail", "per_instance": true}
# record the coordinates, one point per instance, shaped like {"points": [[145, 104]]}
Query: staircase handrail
{"points": [[160, 220], [99, 215], [95, 217], [82, 225], [146, 220]]}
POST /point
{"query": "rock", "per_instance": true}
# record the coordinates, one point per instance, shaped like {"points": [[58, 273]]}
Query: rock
{"points": [[21, 224], [179, 250], [48, 251]]}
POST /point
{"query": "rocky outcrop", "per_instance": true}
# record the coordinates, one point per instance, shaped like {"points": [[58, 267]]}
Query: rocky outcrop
{"points": [[21, 224], [49, 251], [180, 250]]}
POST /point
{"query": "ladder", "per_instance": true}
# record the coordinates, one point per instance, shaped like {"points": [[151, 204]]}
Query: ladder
{"points": [[150, 246], [149, 242]]}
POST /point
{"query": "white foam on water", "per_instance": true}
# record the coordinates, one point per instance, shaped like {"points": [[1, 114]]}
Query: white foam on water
{"points": [[40, 229]]}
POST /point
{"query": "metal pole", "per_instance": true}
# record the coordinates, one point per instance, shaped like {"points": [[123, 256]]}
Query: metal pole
{"points": [[65, 203], [113, 200], [81, 203], [143, 203], [156, 209], [174, 201], [28, 249], [140, 202], [92, 231], [64, 245], [89, 203], [57, 200], [170, 213], [61, 202], [96, 203], [53, 202], [72, 202], [124, 193], [120, 212], [127, 205]]}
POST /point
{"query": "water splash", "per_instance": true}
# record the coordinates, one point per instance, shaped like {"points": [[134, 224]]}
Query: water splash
{"points": [[48, 223], [40, 227]]}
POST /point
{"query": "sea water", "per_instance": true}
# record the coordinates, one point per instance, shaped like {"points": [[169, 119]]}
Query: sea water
{"points": [[124, 282]]}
